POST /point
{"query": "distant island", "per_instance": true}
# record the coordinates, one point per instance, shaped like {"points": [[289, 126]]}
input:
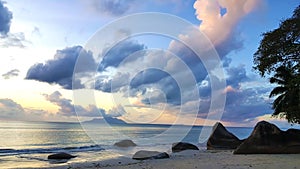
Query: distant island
{"points": [[116, 121], [109, 120]]}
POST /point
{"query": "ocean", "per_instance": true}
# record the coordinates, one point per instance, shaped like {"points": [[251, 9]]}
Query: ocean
{"points": [[27, 144]]}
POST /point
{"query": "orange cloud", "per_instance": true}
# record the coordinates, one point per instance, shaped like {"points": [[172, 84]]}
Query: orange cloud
{"points": [[216, 26], [229, 89]]}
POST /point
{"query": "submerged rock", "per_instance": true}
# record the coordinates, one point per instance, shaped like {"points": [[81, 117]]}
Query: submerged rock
{"points": [[266, 138], [222, 139], [60, 156], [125, 143], [144, 155], [181, 146]]}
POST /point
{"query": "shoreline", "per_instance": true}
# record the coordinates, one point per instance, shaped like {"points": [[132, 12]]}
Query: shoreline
{"points": [[213, 159], [214, 156]]}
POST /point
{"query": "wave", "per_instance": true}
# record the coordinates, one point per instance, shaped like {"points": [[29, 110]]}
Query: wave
{"points": [[11, 152]]}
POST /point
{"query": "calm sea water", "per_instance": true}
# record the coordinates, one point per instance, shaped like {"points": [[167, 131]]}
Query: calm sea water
{"points": [[27, 144]]}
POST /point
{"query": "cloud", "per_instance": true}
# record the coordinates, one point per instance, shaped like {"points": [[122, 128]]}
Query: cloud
{"points": [[183, 65], [113, 56], [68, 109], [10, 110], [219, 19], [114, 84], [8, 39], [141, 71], [221, 30], [14, 40], [166, 90], [60, 69], [11, 73], [189, 57], [148, 76], [112, 7], [217, 23], [154, 86], [236, 75], [117, 111], [36, 32], [244, 102], [5, 19]]}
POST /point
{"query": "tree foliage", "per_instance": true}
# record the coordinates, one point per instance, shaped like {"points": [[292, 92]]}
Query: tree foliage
{"points": [[280, 46], [287, 104], [279, 56]]}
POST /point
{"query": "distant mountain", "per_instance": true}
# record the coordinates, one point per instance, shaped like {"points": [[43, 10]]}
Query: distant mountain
{"points": [[109, 120]]}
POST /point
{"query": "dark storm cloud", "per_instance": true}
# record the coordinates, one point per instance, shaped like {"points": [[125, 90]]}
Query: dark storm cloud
{"points": [[60, 69], [5, 19], [112, 7], [11, 73], [115, 55]]}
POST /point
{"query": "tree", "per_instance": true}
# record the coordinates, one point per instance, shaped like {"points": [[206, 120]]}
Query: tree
{"points": [[287, 103], [279, 56]]}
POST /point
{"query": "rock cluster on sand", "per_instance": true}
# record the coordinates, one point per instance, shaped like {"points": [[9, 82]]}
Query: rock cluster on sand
{"points": [[144, 155], [60, 156], [181, 146], [125, 143], [221, 138], [267, 138]]}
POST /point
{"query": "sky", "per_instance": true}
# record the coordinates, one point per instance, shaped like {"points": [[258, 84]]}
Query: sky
{"points": [[144, 78]]}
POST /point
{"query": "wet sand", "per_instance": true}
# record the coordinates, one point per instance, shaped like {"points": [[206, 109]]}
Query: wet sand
{"points": [[199, 159]]}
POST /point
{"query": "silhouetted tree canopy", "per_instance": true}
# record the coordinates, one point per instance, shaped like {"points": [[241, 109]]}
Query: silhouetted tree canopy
{"points": [[279, 57]]}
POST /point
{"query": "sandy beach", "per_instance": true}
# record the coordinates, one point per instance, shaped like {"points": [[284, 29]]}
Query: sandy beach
{"points": [[199, 159]]}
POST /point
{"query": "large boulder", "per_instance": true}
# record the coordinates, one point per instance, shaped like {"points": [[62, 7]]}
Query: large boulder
{"points": [[125, 143], [222, 139], [181, 146], [61, 156], [266, 138], [145, 155]]}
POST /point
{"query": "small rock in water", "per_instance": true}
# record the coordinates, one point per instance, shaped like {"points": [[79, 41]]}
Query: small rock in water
{"points": [[144, 155], [125, 143], [60, 156]]}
